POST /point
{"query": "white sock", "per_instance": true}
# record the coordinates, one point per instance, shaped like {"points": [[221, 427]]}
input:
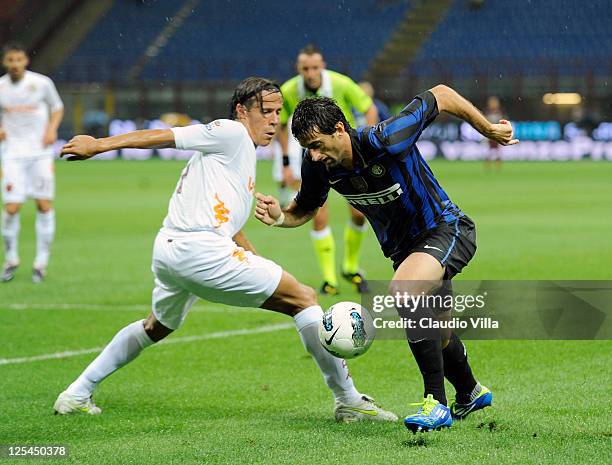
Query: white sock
{"points": [[334, 369], [326, 231], [10, 234], [124, 347], [45, 230]]}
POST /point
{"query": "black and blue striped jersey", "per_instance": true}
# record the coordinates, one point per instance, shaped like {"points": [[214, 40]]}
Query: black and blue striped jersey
{"points": [[390, 183]]}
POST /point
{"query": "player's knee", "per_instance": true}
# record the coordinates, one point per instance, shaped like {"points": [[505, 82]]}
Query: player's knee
{"points": [[12, 208], [357, 218], [318, 224], [407, 288], [44, 206], [155, 330]]}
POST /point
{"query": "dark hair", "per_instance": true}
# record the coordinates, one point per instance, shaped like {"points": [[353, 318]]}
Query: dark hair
{"points": [[14, 47], [249, 91], [310, 49], [318, 114]]}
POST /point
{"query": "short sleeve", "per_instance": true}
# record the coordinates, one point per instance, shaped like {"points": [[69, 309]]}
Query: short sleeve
{"points": [[218, 137], [52, 98], [315, 186], [357, 98], [398, 133]]}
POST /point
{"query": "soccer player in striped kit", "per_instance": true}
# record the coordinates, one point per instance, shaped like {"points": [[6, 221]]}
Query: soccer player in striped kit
{"points": [[380, 171]]}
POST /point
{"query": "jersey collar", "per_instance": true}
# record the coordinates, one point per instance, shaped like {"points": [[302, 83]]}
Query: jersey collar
{"points": [[358, 156]]}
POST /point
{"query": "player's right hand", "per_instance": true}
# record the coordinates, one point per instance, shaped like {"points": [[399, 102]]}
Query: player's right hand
{"points": [[502, 133], [267, 209], [80, 148], [2, 134]]}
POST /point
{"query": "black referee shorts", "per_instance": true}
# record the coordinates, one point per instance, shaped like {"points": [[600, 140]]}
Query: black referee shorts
{"points": [[452, 244]]}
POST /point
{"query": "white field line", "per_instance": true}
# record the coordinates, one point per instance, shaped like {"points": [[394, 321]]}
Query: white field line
{"points": [[116, 307], [174, 340]]}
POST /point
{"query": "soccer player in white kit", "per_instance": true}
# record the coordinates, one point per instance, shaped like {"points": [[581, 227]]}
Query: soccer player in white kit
{"points": [[200, 250], [31, 111]]}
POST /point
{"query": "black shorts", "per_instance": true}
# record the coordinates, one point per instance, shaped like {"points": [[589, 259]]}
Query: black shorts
{"points": [[452, 244]]}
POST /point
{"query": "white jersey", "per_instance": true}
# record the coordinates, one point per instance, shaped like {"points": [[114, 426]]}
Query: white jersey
{"points": [[215, 190], [25, 107]]}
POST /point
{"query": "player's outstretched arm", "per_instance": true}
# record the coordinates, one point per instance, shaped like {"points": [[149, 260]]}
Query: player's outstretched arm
{"points": [[84, 147], [450, 101], [268, 211]]}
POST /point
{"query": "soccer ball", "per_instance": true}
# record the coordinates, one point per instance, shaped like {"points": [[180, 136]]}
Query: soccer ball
{"points": [[347, 330]]}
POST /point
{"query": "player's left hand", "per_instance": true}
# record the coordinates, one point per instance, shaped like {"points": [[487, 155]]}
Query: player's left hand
{"points": [[502, 133], [80, 148], [50, 137], [267, 209]]}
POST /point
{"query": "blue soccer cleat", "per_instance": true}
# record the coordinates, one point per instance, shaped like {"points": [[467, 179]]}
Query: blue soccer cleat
{"points": [[482, 400], [431, 416]]}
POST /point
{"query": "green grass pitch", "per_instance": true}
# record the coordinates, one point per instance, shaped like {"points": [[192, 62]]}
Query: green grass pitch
{"points": [[258, 398]]}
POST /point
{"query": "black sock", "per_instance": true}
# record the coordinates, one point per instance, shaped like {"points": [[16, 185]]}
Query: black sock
{"points": [[457, 369], [428, 355]]}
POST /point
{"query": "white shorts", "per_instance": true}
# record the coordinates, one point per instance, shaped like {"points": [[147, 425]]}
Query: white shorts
{"points": [[23, 178], [206, 265]]}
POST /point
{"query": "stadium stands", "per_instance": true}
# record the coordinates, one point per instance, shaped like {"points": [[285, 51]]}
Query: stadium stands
{"points": [[226, 42], [527, 37], [113, 46]]}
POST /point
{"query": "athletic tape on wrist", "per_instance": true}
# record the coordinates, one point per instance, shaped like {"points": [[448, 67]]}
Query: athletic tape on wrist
{"points": [[280, 220]]}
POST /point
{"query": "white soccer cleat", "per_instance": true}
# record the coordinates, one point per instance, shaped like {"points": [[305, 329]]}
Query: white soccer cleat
{"points": [[8, 272], [67, 403], [38, 275], [363, 410]]}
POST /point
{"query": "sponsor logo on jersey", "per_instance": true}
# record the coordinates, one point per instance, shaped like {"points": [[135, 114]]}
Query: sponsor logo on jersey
{"points": [[221, 213], [251, 184], [376, 198]]}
